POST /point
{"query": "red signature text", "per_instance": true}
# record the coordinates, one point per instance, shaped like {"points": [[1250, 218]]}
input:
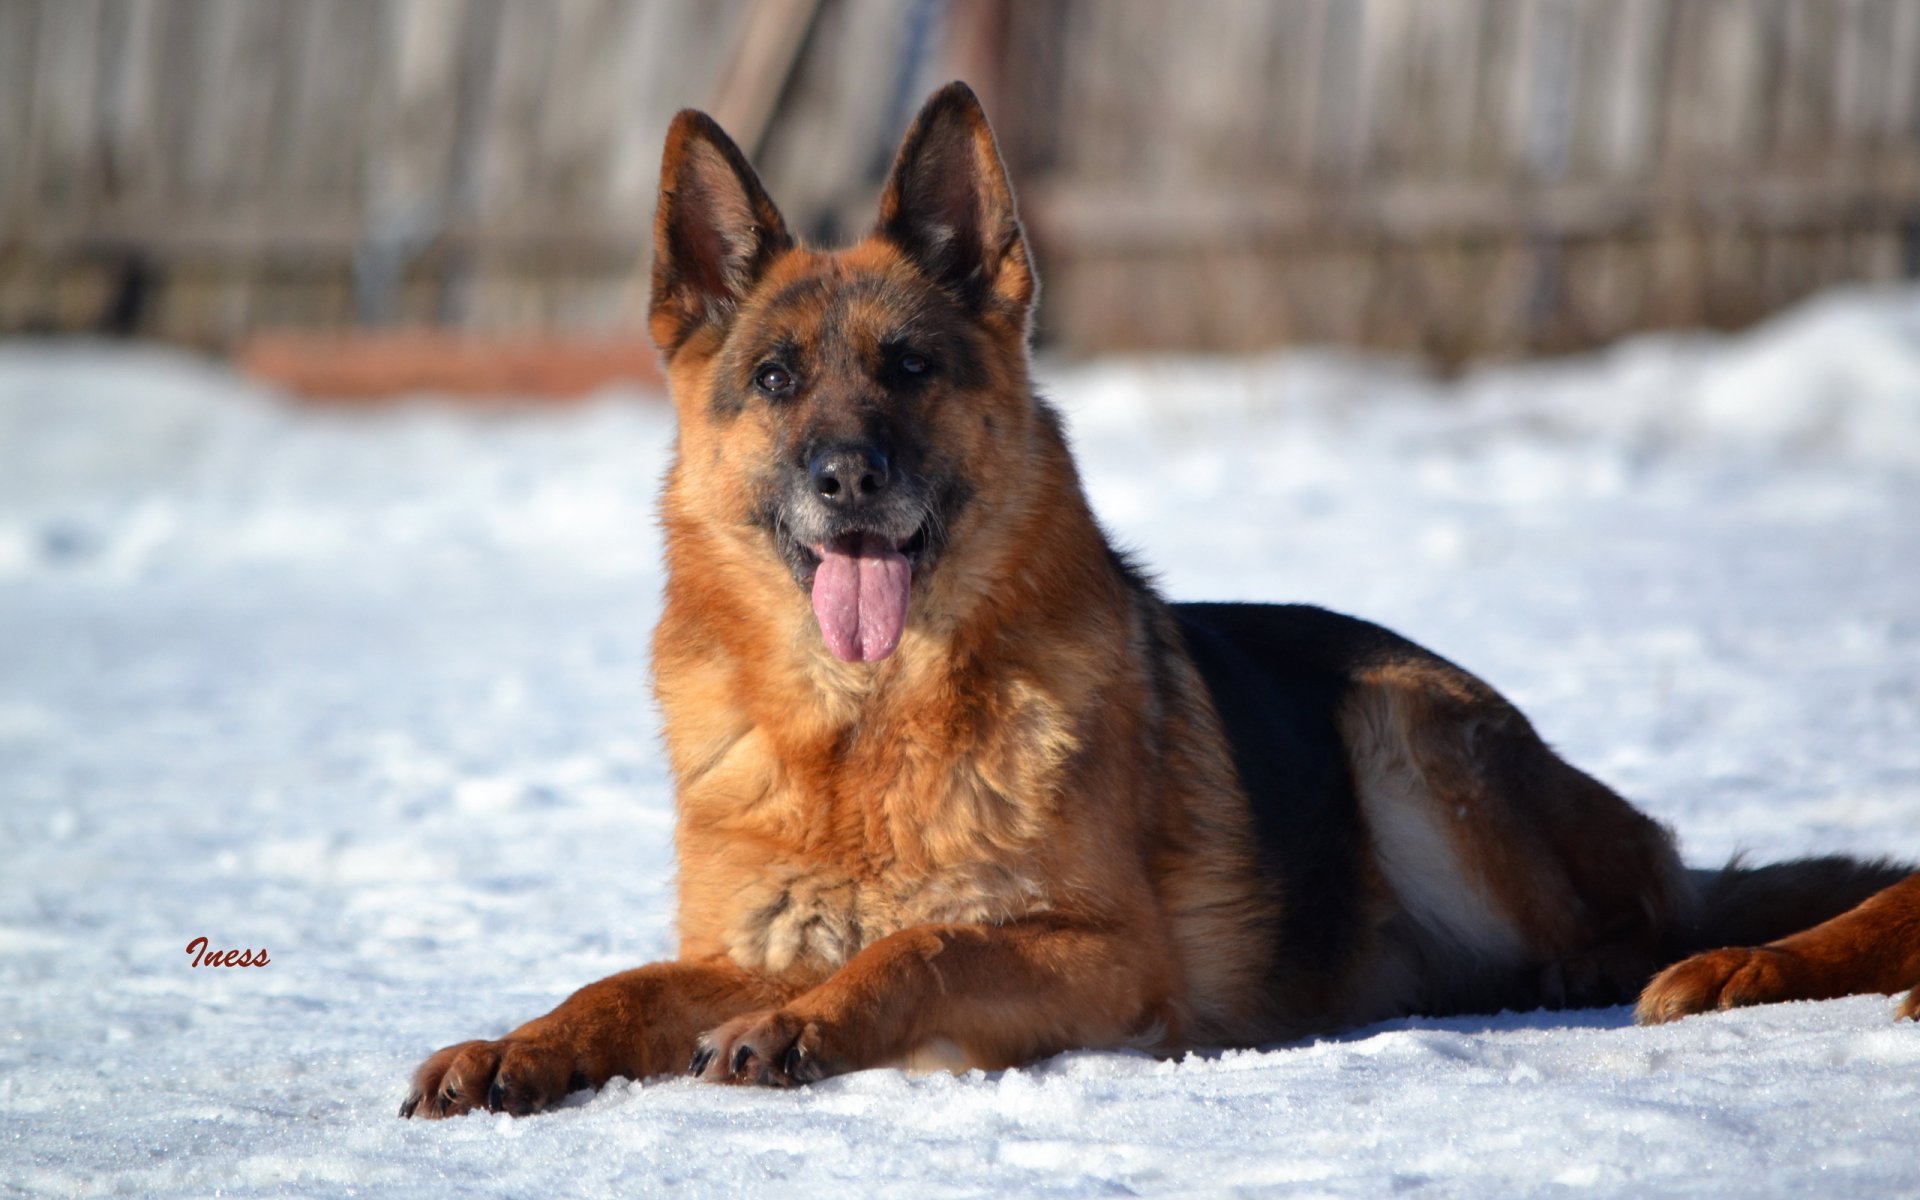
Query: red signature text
{"points": [[202, 957]]}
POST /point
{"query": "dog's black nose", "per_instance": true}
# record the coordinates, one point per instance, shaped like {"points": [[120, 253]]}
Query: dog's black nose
{"points": [[849, 475]]}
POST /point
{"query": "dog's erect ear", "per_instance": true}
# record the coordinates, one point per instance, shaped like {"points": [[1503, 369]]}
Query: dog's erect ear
{"points": [[714, 232], [949, 207]]}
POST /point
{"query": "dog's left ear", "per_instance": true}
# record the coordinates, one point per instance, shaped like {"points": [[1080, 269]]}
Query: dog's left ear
{"points": [[949, 207]]}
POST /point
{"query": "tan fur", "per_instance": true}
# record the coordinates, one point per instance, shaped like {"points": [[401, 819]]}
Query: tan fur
{"points": [[1024, 829]]}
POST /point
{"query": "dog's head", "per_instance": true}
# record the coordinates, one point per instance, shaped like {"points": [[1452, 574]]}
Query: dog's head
{"points": [[844, 416]]}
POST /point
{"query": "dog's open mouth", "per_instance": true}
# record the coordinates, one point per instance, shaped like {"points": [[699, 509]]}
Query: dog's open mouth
{"points": [[860, 593]]}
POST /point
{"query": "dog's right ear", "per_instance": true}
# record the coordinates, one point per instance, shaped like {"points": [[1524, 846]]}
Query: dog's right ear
{"points": [[714, 233]]}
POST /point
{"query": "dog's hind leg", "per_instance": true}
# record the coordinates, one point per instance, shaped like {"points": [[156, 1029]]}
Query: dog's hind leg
{"points": [[1523, 881], [1872, 947]]}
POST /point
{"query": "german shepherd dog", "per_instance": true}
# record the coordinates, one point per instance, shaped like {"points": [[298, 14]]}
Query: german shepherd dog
{"points": [[957, 788]]}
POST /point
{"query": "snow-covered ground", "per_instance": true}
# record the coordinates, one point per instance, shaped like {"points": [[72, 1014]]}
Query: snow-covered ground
{"points": [[368, 691]]}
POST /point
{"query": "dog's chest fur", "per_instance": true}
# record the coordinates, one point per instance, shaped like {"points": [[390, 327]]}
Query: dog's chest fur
{"points": [[797, 851], [813, 916]]}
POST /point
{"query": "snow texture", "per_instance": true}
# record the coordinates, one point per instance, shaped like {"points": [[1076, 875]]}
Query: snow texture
{"points": [[369, 691]]}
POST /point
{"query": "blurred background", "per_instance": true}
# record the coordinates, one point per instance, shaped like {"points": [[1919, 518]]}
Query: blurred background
{"points": [[368, 686], [1460, 181]]}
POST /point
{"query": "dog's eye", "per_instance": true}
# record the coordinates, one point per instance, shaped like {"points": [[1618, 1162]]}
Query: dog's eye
{"points": [[914, 364], [773, 379]]}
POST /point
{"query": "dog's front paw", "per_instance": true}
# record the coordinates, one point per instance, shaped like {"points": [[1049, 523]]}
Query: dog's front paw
{"points": [[1717, 979], [515, 1075], [774, 1049]]}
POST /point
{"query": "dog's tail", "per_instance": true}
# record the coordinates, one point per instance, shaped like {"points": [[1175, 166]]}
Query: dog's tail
{"points": [[1809, 929], [1740, 905]]}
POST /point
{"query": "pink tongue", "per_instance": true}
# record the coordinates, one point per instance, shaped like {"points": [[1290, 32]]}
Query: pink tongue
{"points": [[860, 597]]}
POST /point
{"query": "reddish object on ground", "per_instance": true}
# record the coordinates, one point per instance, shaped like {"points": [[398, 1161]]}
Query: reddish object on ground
{"points": [[370, 367]]}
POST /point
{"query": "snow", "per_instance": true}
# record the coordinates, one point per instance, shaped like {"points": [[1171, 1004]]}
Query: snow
{"points": [[368, 691]]}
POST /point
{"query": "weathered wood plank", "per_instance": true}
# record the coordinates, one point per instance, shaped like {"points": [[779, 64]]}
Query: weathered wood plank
{"points": [[62, 134], [18, 36], [1098, 218]]}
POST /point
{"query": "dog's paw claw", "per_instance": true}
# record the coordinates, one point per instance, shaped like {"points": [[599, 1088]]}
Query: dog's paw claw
{"points": [[798, 1065], [772, 1049], [702, 1058]]}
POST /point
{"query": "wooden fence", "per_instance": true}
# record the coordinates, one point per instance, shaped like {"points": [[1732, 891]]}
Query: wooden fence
{"points": [[1462, 178], [1457, 178]]}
